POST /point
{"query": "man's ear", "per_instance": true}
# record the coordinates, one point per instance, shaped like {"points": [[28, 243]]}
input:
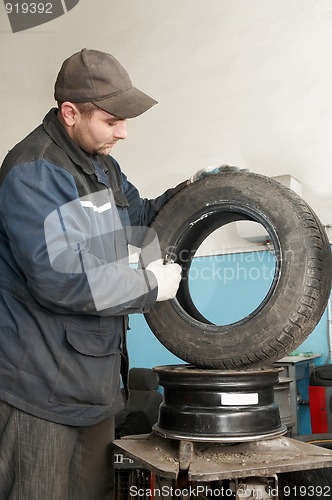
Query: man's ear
{"points": [[68, 112]]}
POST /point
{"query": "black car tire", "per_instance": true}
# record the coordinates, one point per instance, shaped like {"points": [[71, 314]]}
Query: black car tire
{"points": [[298, 294]]}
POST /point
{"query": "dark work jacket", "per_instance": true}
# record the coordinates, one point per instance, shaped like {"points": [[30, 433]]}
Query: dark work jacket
{"points": [[66, 287]]}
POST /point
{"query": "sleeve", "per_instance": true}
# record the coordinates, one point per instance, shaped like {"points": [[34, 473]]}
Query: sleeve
{"points": [[142, 211], [67, 247]]}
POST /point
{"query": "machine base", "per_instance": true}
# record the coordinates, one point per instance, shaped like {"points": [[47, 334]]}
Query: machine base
{"points": [[216, 461]]}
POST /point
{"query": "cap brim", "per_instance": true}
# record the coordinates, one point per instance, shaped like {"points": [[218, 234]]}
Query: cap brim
{"points": [[128, 104]]}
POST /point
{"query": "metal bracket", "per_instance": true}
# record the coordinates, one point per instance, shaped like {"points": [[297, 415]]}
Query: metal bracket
{"points": [[186, 454]]}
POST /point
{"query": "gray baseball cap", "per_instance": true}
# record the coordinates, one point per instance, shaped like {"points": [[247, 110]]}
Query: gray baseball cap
{"points": [[95, 76]]}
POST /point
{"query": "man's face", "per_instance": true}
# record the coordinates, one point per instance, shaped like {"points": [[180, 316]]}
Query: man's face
{"points": [[97, 134]]}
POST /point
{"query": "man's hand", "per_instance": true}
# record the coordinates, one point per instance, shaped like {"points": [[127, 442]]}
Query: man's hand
{"points": [[168, 277], [204, 172]]}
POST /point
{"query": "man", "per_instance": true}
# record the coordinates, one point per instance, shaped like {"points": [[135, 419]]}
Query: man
{"points": [[67, 215]]}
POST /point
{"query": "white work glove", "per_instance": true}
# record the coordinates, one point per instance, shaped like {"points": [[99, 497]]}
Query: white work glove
{"points": [[204, 172], [168, 277]]}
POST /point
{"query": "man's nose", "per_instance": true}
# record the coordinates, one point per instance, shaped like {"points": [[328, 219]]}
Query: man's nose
{"points": [[120, 129]]}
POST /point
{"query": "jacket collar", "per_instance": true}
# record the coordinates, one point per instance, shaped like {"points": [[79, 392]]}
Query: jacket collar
{"points": [[59, 135]]}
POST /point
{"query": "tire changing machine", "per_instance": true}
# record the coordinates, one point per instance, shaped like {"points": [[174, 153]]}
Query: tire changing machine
{"points": [[219, 435]]}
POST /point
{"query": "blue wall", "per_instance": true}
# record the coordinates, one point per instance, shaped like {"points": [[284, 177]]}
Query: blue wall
{"points": [[226, 288]]}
